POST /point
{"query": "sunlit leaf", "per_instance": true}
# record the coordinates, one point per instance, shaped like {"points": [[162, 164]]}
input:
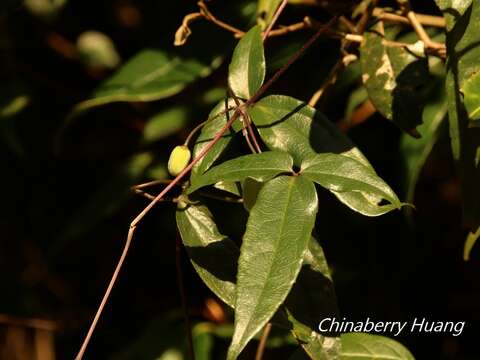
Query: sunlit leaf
{"points": [[217, 118], [165, 123], [265, 11], [247, 68], [392, 76], [457, 7], [472, 238], [150, 75], [278, 230], [97, 49], [290, 125], [341, 174], [261, 167], [357, 346], [213, 255]]}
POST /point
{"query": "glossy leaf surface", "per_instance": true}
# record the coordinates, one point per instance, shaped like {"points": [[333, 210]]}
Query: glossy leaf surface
{"points": [[290, 125], [341, 174], [213, 255], [274, 244], [357, 346], [261, 167], [247, 69]]}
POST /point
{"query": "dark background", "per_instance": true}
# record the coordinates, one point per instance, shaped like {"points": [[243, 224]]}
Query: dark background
{"points": [[65, 203]]}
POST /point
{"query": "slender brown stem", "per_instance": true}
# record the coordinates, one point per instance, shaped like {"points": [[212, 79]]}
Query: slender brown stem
{"points": [[294, 58], [426, 20], [247, 125], [210, 17], [150, 196], [263, 341], [183, 296], [275, 18], [179, 177], [151, 183]]}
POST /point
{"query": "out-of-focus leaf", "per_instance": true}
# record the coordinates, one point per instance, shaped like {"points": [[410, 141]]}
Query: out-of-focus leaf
{"points": [[13, 106], [392, 77], [202, 341], [172, 345], [469, 243], [45, 9], [357, 346], [165, 123], [247, 68], [150, 75], [97, 49], [457, 7], [265, 11], [290, 125], [471, 97], [355, 98], [261, 167], [463, 52], [106, 199], [273, 247], [216, 120], [213, 255], [416, 151]]}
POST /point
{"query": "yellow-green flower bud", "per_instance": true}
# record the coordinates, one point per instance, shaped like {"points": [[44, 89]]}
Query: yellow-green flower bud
{"points": [[179, 159]]}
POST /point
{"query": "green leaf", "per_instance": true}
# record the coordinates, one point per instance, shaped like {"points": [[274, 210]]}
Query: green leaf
{"points": [[217, 118], [290, 125], [472, 238], [165, 123], [150, 75], [265, 11], [274, 244], [471, 96], [247, 69], [261, 167], [251, 188], [311, 299], [213, 255], [416, 151], [463, 53], [107, 199], [357, 346], [340, 174], [392, 77], [457, 7]]}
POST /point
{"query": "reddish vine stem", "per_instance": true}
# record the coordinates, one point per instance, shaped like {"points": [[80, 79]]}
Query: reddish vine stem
{"points": [[185, 171], [274, 19]]}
